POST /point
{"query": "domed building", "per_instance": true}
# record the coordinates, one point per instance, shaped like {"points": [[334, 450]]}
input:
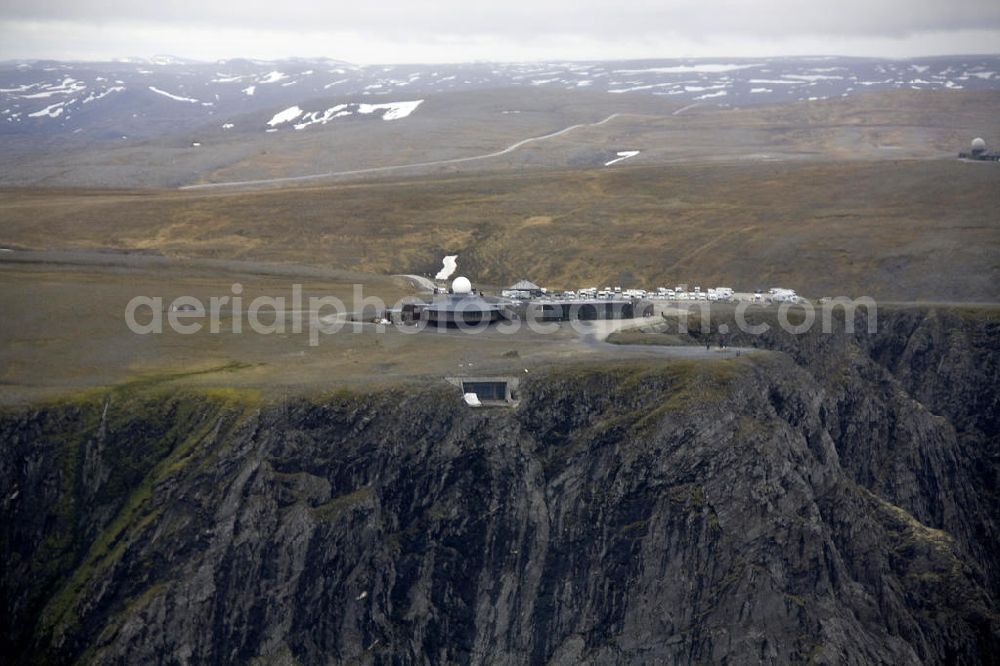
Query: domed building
{"points": [[977, 151], [462, 306]]}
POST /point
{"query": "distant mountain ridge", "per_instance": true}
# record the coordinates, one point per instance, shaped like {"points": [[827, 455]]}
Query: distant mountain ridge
{"points": [[147, 98]]}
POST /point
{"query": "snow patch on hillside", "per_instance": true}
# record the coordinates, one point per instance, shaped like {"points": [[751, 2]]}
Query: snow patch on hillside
{"points": [[449, 266], [707, 68], [622, 155], [393, 110], [51, 111], [67, 86], [390, 111], [93, 97], [813, 77], [322, 118], [177, 98], [289, 114], [273, 77]]}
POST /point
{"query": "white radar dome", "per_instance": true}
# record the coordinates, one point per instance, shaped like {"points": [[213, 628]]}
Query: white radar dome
{"points": [[461, 285], [978, 144]]}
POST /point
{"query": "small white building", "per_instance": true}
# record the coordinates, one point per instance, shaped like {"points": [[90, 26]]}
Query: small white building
{"points": [[781, 295]]}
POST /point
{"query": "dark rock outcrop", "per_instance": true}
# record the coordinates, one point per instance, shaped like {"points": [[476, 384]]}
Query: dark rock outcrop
{"points": [[833, 503]]}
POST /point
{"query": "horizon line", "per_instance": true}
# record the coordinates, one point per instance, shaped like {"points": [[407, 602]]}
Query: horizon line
{"points": [[182, 60]]}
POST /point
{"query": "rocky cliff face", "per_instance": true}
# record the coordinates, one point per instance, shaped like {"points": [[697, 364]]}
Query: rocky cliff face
{"points": [[834, 501]]}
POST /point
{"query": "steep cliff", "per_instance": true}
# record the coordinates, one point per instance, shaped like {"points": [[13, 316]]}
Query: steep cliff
{"points": [[833, 501]]}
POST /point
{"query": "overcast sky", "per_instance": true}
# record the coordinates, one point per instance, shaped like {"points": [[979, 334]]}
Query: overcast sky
{"points": [[399, 31]]}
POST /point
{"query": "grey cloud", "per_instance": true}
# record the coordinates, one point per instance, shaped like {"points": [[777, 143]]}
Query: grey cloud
{"points": [[527, 19]]}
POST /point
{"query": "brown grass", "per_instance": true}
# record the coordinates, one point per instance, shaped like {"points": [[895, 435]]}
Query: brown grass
{"points": [[906, 230]]}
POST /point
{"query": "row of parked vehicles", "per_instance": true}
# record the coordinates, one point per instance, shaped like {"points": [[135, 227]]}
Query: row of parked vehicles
{"points": [[679, 294]]}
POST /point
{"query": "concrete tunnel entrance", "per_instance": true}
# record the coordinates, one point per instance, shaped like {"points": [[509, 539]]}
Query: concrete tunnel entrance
{"points": [[495, 391]]}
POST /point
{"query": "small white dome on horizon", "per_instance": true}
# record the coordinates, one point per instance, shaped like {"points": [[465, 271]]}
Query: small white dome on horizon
{"points": [[461, 285], [978, 144]]}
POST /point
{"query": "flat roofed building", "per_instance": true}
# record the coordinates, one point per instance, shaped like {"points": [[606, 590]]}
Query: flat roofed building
{"points": [[588, 309], [462, 306]]}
